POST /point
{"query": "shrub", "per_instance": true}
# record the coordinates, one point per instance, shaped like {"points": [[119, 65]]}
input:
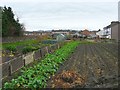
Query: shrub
{"points": [[28, 49], [11, 48]]}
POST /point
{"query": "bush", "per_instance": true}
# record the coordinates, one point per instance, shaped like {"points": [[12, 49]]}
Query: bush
{"points": [[28, 49], [11, 48]]}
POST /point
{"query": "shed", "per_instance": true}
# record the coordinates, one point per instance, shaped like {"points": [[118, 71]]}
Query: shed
{"points": [[60, 37]]}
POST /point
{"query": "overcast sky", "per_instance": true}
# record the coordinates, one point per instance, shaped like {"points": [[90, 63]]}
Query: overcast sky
{"points": [[64, 14]]}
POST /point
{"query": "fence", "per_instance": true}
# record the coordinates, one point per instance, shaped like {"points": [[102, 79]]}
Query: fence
{"points": [[11, 66]]}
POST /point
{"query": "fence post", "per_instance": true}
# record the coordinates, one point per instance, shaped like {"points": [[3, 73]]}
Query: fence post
{"points": [[10, 70], [52, 49], [40, 53], [24, 61], [33, 56], [23, 57], [58, 46], [47, 49]]}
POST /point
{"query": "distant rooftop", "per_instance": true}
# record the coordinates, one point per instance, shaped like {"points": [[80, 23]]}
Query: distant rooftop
{"points": [[60, 30]]}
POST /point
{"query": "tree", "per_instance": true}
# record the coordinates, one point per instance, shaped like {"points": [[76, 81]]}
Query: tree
{"points": [[10, 26]]}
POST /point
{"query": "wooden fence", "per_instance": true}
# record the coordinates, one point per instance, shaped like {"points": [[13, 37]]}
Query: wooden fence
{"points": [[11, 66]]}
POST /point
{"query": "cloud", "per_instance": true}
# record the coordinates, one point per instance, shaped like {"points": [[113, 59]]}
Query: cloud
{"points": [[65, 15], [59, 1]]}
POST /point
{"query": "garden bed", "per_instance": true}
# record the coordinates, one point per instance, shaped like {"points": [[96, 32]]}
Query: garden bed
{"points": [[96, 62], [37, 76], [67, 79]]}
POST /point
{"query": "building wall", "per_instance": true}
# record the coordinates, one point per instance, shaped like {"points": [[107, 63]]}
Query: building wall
{"points": [[119, 32], [107, 33], [114, 32], [67, 33], [86, 32], [100, 34]]}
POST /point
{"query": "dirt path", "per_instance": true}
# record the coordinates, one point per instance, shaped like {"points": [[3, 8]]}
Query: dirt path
{"points": [[97, 62]]}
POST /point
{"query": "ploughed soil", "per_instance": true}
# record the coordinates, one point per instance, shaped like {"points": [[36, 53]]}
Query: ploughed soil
{"points": [[90, 66]]}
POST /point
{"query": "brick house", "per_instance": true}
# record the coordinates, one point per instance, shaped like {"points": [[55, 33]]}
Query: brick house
{"points": [[85, 32], [89, 34]]}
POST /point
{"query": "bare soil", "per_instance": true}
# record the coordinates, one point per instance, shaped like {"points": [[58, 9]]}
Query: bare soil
{"points": [[98, 63]]}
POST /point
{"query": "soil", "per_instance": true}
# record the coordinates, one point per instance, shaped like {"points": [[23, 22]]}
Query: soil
{"points": [[67, 79], [98, 63]]}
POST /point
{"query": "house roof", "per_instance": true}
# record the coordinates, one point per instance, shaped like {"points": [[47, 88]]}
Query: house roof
{"points": [[60, 30], [112, 24]]}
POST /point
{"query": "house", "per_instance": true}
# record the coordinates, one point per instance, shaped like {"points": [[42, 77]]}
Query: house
{"points": [[89, 34], [76, 35], [65, 32], [107, 31], [112, 31], [32, 33], [73, 32], [85, 32], [115, 30], [92, 34], [100, 34], [36, 33]]}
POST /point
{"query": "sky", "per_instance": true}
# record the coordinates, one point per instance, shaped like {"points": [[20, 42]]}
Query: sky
{"points": [[119, 11], [64, 14]]}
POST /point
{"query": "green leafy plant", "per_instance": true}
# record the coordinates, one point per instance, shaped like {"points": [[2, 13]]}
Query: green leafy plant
{"points": [[28, 49], [20, 43], [11, 48], [37, 76]]}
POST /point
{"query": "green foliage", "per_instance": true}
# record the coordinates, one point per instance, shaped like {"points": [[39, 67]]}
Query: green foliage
{"points": [[10, 26], [19, 43], [11, 48], [37, 76], [28, 49]]}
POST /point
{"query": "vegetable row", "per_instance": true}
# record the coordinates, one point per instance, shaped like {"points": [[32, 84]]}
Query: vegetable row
{"points": [[38, 75]]}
